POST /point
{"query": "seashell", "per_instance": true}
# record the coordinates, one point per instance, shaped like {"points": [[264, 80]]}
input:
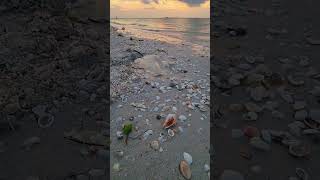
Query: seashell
{"points": [[302, 174], [310, 132], [185, 169], [170, 121], [299, 150], [259, 144], [116, 167], [294, 81], [206, 167], [187, 157], [251, 131], [170, 132], [155, 145]]}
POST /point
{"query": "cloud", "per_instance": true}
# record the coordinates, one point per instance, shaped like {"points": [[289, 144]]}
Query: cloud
{"points": [[150, 1], [188, 2], [193, 2]]}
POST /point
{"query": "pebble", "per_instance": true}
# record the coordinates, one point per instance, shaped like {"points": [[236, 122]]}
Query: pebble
{"points": [[259, 144], [231, 175], [187, 157]]}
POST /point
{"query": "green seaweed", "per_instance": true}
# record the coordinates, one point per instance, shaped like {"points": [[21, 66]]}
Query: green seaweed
{"points": [[127, 129]]}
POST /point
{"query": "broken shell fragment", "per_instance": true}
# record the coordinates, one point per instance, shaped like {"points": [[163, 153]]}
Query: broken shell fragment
{"points": [[187, 157], [170, 121], [185, 169], [251, 131], [170, 132], [299, 150], [302, 174]]}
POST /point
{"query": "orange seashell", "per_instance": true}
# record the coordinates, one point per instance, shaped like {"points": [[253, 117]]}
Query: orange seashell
{"points": [[170, 121], [185, 169]]}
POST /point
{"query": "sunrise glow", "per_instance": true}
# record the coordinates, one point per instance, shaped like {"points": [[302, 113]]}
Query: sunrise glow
{"points": [[160, 8]]}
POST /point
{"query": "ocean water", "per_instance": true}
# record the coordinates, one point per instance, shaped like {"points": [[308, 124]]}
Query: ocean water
{"points": [[192, 30]]}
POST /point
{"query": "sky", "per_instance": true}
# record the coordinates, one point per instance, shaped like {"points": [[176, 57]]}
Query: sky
{"points": [[160, 8]]}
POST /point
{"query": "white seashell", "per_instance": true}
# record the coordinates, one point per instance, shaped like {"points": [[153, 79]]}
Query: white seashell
{"points": [[170, 132], [187, 157], [206, 167]]}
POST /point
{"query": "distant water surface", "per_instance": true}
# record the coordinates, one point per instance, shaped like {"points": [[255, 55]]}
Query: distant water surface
{"points": [[192, 30]]}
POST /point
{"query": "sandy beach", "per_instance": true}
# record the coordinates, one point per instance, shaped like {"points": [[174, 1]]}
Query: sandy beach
{"points": [[153, 76]]}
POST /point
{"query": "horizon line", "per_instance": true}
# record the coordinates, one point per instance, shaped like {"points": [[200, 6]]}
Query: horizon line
{"points": [[160, 18]]}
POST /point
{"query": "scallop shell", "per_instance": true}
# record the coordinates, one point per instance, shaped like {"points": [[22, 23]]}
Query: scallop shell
{"points": [[170, 121], [185, 169]]}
